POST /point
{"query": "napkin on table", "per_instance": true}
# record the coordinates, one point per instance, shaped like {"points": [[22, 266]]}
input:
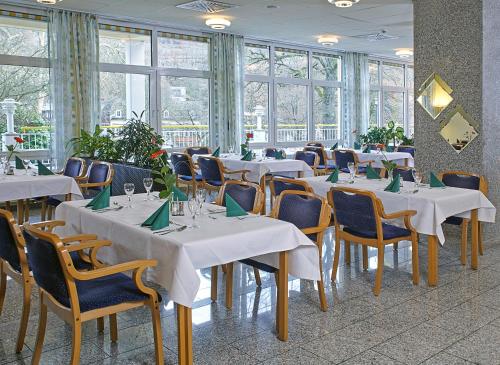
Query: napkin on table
{"points": [[371, 173], [19, 164], [159, 219], [393, 187], [357, 146], [335, 146], [435, 182], [101, 201], [43, 170], [179, 195], [278, 155], [233, 209], [247, 157], [216, 153], [334, 176]]}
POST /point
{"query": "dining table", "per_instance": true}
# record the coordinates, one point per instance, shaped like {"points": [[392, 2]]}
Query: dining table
{"points": [[22, 186], [187, 245], [433, 207]]}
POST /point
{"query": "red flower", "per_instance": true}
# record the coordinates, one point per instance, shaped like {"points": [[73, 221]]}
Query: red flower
{"points": [[157, 154], [19, 139], [249, 135]]}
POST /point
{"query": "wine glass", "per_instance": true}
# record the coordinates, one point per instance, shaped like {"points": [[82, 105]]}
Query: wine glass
{"points": [[352, 171], [231, 149], [26, 164], [417, 177], [129, 189], [148, 184], [193, 207]]}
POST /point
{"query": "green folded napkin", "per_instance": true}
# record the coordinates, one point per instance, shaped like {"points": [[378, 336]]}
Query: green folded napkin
{"points": [[101, 201], [216, 152], [233, 209], [43, 170], [243, 151], [367, 149], [335, 146], [334, 176], [357, 146], [178, 194], [435, 182], [389, 148], [159, 219], [279, 155], [371, 173], [19, 164], [393, 187], [247, 157]]}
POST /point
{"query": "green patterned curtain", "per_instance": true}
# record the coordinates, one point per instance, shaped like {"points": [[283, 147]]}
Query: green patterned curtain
{"points": [[356, 96], [227, 60], [74, 76]]}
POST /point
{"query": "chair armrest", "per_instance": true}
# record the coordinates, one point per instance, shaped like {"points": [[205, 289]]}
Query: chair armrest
{"points": [[400, 214], [242, 172], [80, 178], [369, 162], [93, 244], [312, 230], [79, 238], [49, 225], [111, 270]]}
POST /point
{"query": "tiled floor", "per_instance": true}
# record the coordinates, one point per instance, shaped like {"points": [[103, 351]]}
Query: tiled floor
{"points": [[456, 323]]}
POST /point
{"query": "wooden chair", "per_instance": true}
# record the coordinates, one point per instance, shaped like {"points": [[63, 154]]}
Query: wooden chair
{"points": [[80, 296], [279, 184], [309, 157], [465, 180], [185, 171], [323, 167], [198, 150], [406, 173], [407, 149], [213, 172], [359, 216], [270, 151], [315, 144], [14, 263], [343, 157]]}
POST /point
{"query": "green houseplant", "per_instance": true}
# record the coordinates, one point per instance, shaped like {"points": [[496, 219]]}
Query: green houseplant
{"points": [[165, 178], [95, 146]]}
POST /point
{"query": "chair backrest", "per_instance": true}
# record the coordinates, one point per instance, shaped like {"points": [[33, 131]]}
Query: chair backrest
{"points": [[320, 151], [248, 195], [279, 184], [198, 150], [304, 210], [211, 169], [270, 151], [407, 149], [343, 157], [356, 209], [310, 158], [11, 242], [100, 172], [74, 167], [182, 163], [314, 144], [465, 180]]}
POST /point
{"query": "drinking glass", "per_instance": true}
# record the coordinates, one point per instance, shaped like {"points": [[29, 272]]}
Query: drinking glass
{"points": [[26, 164], [129, 189], [352, 171], [148, 184], [231, 149], [417, 176], [193, 207]]}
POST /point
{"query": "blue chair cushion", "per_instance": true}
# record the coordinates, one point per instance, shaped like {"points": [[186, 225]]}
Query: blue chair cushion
{"points": [[259, 265], [390, 232], [53, 201], [214, 182], [190, 178], [454, 220], [107, 291], [361, 170], [78, 263], [329, 167]]}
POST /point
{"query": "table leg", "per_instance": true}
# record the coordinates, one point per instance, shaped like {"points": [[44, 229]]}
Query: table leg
{"points": [[475, 239], [20, 211], [185, 334], [263, 187], [283, 297], [229, 285], [432, 248]]}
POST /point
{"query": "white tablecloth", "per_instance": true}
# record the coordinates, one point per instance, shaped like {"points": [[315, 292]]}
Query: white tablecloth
{"points": [[21, 186], [433, 205], [180, 254], [259, 167], [378, 157]]}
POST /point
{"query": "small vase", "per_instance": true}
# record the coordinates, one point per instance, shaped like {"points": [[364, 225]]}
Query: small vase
{"points": [[390, 175]]}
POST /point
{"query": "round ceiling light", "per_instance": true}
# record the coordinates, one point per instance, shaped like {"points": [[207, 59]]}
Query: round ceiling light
{"points": [[404, 52], [343, 3], [328, 40], [218, 23], [48, 2]]}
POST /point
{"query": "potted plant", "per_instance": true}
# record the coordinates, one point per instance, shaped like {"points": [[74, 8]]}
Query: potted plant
{"points": [[246, 146], [94, 146], [165, 178]]}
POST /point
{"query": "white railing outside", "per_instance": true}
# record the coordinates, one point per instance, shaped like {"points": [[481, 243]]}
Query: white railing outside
{"points": [[33, 141]]}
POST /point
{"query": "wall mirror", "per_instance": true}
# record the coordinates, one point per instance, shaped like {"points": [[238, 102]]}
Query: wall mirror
{"points": [[457, 129], [434, 95]]}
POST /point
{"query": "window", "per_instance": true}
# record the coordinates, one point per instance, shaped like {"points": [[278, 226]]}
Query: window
{"points": [[393, 75], [23, 37], [326, 113], [184, 52], [326, 67], [257, 60], [290, 63], [257, 110], [124, 46], [394, 108], [374, 73], [291, 113], [374, 108]]}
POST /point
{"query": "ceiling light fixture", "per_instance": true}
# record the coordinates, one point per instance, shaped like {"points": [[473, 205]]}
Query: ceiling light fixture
{"points": [[218, 23], [328, 40], [404, 52], [343, 3], [48, 2]]}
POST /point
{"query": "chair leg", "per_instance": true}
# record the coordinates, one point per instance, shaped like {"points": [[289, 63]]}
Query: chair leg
{"points": [[480, 238], [27, 211], [155, 313], [321, 285], [3, 285], [347, 252], [25, 316], [336, 256], [414, 258], [113, 327], [365, 257], [380, 271], [213, 284], [42, 324], [76, 343], [256, 274], [43, 214], [100, 325], [463, 242]]}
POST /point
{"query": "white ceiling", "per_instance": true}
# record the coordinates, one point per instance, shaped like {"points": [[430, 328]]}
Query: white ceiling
{"points": [[294, 21]]}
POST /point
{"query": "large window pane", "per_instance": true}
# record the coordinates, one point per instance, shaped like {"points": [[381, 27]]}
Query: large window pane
{"points": [[326, 113], [291, 113], [374, 108], [125, 48], [411, 112], [30, 87], [23, 37], [393, 75], [256, 60], [374, 73], [409, 77], [122, 94], [394, 108], [185, 106], [290, 63], [326, 67], [257, 110], [185, 52]]}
